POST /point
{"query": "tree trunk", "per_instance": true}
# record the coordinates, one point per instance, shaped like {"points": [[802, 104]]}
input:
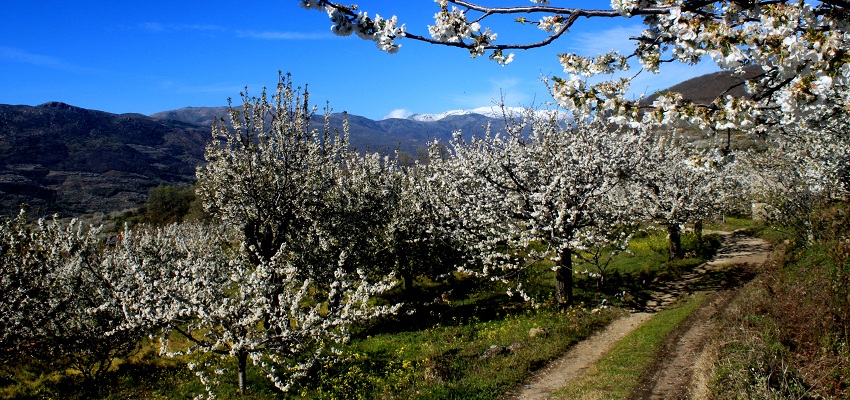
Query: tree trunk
{"points": [[675, 233], [408, 280], [564, 279], [698, 232], [242, 359]]}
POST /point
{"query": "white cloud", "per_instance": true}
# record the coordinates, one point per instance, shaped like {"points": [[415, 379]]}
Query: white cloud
{"points": [[511, 91], [617, 38], [590, 43], [159, 27], [266, 35], [398, 113], [274, 35], [21, 56]]}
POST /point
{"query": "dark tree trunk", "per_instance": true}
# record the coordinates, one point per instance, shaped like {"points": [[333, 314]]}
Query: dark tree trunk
{"points": [[408, 280], [242, 359], [564, 279], [698, 233], [675, 233]]}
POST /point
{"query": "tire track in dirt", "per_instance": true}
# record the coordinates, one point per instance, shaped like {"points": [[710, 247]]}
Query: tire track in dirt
{"points": [[671, 375], [676, 371]]}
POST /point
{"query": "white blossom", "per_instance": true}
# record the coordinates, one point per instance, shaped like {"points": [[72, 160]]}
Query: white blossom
{"points": [[540, 178]]}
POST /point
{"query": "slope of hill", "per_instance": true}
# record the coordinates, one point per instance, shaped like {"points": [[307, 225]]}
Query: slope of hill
{"points": [[192, 115], [704, 89], [59, 158]]}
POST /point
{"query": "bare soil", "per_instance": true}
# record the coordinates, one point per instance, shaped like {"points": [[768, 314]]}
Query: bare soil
{"points": [[672, 375]]}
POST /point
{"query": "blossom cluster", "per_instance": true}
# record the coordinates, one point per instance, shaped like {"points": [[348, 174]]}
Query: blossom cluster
{"points": [[538, 179], [799, 49], [55, 305], [380, 30], [450, 26], [191, 281], [797, 46]]}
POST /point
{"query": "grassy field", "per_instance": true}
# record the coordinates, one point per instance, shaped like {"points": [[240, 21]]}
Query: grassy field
{"points": [[787, 336]]}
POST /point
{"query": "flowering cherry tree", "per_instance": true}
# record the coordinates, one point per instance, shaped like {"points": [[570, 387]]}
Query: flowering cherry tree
{"points": [[419, 239], [201, 282], [55, 306], [295, 189], [283, 276], [778, 188], [801, 48], [825, 157], [678, 185], [540, 180], [799, 173]]}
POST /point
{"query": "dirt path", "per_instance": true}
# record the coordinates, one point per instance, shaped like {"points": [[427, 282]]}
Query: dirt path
{"points": [[554, 376], [677, 371], [671, 376], [729, 268]]}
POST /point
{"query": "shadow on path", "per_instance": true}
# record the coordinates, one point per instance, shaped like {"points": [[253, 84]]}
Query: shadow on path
{"points": [[735, 264]]}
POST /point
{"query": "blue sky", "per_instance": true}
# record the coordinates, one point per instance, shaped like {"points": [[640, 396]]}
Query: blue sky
{"points": [[150, 56]]}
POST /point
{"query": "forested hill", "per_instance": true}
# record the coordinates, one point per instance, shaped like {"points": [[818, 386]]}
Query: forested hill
{"points": [[704, 89], [59, 158]]}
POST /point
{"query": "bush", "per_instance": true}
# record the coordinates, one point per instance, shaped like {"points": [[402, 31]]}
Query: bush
{"points": [[170, 204]]}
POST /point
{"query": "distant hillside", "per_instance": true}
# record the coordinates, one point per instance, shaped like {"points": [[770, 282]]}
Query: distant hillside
{"points": [[193, 115], [704, 89], [392, 134], [60, 158]]}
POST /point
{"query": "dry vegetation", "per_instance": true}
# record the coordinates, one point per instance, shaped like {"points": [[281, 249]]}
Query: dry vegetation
{"points": [[786, 335]]}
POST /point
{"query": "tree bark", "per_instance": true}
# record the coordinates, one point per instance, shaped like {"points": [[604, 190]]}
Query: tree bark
{"points": [[408, 281], [564, 279], [242, 359], [698, 232], [675, 233]]}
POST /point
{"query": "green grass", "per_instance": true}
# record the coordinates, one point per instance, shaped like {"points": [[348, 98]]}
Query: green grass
{"points": [[631, 276], [447, 361], [442, 361], [615, 374], [731, 224]]}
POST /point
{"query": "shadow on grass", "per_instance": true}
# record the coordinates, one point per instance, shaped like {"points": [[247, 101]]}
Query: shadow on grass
{"points": [[635, 288], [419, 316]]}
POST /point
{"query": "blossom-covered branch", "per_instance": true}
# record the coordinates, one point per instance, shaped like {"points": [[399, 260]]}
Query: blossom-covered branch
{"points": [[801, 48]]}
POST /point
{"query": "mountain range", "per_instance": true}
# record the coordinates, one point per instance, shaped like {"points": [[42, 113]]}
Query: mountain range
{"points": [[386, 135], [57, 158]]}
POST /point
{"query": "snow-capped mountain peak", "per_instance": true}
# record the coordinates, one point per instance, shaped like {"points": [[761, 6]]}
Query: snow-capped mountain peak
{"points": [[492, 112]]}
